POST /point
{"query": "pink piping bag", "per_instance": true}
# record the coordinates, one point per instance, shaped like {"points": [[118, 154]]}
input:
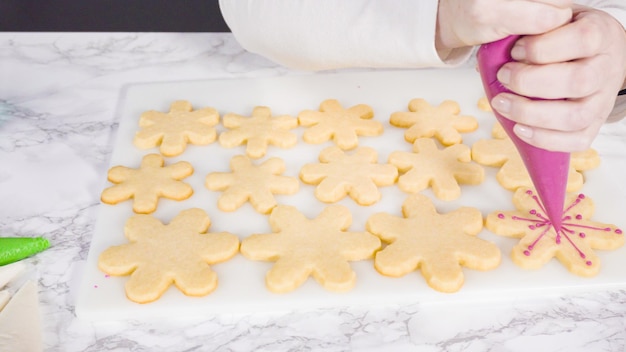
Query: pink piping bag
{"points": [[548, 170]]}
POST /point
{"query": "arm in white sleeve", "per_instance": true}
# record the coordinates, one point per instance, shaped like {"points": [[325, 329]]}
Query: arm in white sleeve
{"points": [[330, 34]]}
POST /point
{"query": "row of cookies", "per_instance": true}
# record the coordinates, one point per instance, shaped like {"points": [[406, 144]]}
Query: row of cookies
{"points": [[339, 173], [172, 130], [355, 173], [182, 252]]}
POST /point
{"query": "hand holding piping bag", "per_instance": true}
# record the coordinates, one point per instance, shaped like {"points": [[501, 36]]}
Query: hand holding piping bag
{"points": [[576, 70], [556, 97]]}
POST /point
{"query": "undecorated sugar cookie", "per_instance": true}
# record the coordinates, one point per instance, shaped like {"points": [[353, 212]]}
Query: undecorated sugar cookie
{"points": [[302, 247], [148, 183], [254, 183], [258, 131], [357, 174], [159, 255], [442, 169], [501, 152], [436, 244], [173, 130], [442, 122], [343, 126]]}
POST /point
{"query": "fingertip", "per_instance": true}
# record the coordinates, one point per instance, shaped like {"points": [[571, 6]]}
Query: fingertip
{"points": [[524, 132], [501, 103]]}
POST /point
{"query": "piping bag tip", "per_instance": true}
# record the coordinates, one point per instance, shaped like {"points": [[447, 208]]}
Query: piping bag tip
{"points": [[13, 249], [548, 170]]}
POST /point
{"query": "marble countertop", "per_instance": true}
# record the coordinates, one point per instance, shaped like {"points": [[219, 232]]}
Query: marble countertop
{"points": [[58, 95]]}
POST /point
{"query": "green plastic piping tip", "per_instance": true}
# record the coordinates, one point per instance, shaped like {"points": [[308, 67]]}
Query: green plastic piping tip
{"points": [[13, 249]]}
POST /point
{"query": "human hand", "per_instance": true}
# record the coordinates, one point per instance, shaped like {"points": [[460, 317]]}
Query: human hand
{"points": [[578, 68], [471, 22]]}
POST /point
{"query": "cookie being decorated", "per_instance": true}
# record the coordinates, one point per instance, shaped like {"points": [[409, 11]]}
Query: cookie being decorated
{"points": [[442, 122], [539, 242], [173, 130], [437, 244], [249, 182], [357, 174], [302, 247], [158, 255], [258, 131], [442, 169], [343, 126], [151, 181]]}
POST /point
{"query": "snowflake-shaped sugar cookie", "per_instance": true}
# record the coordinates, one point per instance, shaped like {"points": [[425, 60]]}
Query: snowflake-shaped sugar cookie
{"points": [[343, 126], [247, 181], [148, 183], [357, 174], [159, 255], [501, 152], [539, 241], [437, 244], [441, 169], [174, 129], [258, 131], [303, 247], [443, 122]]}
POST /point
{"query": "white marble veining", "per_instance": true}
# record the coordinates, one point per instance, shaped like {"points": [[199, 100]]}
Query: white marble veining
{"points": [[58, 97]]}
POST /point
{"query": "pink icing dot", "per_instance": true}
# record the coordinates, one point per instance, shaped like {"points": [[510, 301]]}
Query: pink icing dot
{"points": [[500, 216], [582, 235], [579, 217], [530, 248], [618, 231], [532, 227], [533, 211], [529, 192], [581, 196], [588, 262], [527, 253]]}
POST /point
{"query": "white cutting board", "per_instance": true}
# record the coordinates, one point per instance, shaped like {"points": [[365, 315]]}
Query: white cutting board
{"points": [[241, 286]]}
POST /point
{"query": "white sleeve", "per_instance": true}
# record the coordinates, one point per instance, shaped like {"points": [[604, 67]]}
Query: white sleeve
{"points": [[327, 34]]}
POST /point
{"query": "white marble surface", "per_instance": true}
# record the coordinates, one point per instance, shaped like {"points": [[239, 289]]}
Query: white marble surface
{"points": [[58, 95]]}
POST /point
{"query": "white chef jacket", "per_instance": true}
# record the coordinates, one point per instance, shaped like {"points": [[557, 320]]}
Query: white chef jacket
{"points": [[331, 34]]}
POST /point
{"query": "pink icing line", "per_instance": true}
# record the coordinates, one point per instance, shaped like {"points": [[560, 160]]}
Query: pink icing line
{"points": [[544, 221]]}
